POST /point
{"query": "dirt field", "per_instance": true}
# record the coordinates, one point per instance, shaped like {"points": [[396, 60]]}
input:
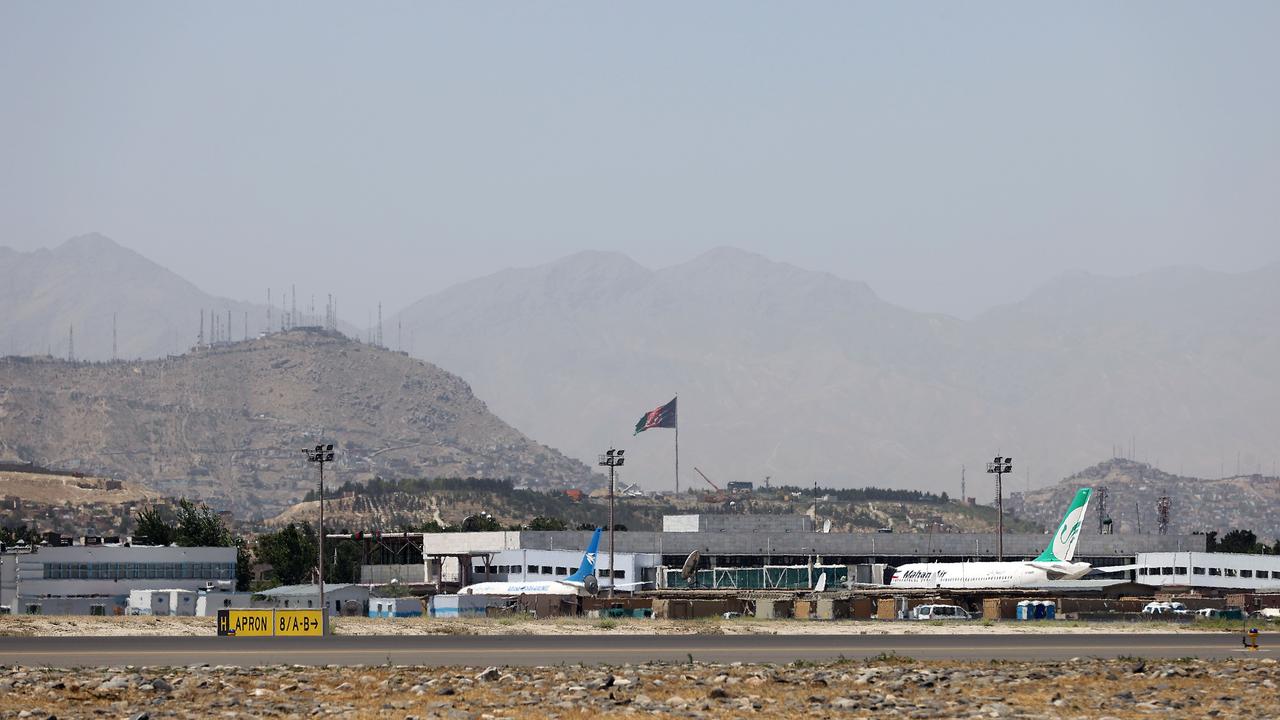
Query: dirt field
{"points": [[50, 625], [886, 687]]}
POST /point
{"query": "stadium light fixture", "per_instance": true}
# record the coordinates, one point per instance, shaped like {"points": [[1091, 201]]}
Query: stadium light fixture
{"points": [[320, 455], [612, 459], [998, 467]]}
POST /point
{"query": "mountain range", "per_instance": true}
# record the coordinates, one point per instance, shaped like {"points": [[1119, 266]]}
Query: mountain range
{"points": [[806, 377], [790, 373]]}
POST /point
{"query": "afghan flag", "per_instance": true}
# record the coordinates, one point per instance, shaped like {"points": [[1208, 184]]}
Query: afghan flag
{"points": [[662, 417]]}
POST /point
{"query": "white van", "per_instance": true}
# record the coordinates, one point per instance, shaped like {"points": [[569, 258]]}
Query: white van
{"points": [[939, 612]]}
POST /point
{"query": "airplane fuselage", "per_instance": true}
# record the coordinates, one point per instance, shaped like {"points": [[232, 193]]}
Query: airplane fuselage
{"points": [[544, 587], [982, 575]]}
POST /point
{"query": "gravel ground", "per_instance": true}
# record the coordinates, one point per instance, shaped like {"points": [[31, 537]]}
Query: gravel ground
{"points": [[50, 625], [887, 687]]}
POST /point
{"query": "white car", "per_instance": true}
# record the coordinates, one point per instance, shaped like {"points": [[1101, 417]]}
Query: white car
{"points": [[1208, 612], [1165, 608], [939, 612]]}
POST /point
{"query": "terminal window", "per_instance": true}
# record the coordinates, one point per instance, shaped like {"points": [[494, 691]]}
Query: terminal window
{"points": [[620, 574], [1215, 571], [1246, 573], [1197, 571], [546, 569], [533, 569], [1263, 574], [1231, 572]]}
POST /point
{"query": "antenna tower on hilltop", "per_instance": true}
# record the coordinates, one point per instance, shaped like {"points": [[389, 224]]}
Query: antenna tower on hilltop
{"points": [[114, 355], [71, 343], [1162, 515], [380, 325]]}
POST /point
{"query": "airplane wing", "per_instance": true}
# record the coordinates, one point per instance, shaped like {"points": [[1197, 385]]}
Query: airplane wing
{"points": [[1117, 568], [633, 584]]}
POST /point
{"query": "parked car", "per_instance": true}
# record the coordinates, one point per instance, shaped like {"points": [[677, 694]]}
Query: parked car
{"points": [[939, 612], [1165, 608], [1208, 612]]}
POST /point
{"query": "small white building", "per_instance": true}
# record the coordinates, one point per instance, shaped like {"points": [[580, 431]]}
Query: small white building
{"points": [[382, 607], [1226, 571], [162, 602], [342, 599]]}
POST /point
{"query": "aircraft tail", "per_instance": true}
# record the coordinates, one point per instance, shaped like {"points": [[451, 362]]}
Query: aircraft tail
{"points": [[587, 567], [1063, 546]]}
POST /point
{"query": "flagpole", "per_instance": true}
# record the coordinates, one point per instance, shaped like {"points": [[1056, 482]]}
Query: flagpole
{"points": [[677, 445]]}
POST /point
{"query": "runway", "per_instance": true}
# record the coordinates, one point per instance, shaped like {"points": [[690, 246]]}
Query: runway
{"points": [[485, 650]]}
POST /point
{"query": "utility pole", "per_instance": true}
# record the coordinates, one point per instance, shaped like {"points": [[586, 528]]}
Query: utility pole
{"points": [[999, 467], [964, 496], [321, 454], [613, 460]]}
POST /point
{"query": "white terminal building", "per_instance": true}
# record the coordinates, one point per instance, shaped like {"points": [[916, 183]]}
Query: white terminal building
{"points": [[97, 579], [1222, 571]]}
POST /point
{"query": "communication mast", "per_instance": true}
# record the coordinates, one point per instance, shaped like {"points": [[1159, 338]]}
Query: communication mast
{"points": [[380, 325], [71, 343], [114, 355], [1162, 515], [1102, 493]]}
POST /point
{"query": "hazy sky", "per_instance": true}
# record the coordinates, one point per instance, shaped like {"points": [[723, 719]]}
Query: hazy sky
{"points": [[952, 155]]}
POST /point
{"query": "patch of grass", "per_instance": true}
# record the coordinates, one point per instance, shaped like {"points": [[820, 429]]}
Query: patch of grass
{"points": [[607, 624], [893, 658]]}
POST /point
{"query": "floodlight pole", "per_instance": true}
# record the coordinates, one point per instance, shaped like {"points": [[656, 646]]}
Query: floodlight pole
{"points": [[321, 454], [612, 459], [1000, 466]]}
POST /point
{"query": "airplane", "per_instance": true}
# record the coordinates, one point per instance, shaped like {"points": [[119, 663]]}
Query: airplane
{"points": [[1052, 564], [582, 580]]}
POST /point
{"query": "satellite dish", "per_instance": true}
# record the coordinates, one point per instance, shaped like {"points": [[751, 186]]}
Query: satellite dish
{"points": [[821, 584], [591, 584], [690, 568], [826, 525]]}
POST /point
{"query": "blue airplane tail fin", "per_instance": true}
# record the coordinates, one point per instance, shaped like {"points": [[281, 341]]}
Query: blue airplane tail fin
{"points": [[588, 565]]}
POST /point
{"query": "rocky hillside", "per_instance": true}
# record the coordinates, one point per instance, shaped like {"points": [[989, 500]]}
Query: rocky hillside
{"points": [[228, 424], [1249, 502]]}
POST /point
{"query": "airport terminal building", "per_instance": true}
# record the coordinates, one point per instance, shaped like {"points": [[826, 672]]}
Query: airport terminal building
{"points": [[722, 541]]}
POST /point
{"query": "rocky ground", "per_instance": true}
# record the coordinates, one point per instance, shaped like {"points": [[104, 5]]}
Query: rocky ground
{"points": [[54, 625], [891, 686]]}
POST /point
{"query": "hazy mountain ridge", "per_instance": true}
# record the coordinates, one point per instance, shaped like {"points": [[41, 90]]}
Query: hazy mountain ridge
{"points": [[228, 424], [1250, 502], [800, 374]]}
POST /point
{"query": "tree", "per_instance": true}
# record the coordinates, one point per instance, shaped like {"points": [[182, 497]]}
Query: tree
{"points": [[11, 535], [1239, 541], [199, 526], [547, 523], [292, 552], [152, 526], [483, 522]]}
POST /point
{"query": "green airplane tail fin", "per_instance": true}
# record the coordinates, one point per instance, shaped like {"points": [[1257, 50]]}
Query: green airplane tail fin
{"points": [[1063, 546]]}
